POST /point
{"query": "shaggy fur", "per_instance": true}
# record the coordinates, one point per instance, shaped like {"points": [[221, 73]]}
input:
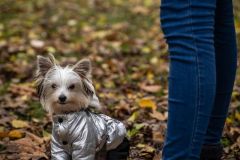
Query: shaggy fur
{"points": [[74, 82]]}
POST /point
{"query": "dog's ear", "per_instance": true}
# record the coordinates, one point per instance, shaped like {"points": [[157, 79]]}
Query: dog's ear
{"points": [[52, 59], [83, 68], [44, 64], [88, 87]]}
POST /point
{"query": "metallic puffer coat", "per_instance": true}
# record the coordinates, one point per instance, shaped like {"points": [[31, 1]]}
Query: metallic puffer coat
{"points": [[80, 135]]}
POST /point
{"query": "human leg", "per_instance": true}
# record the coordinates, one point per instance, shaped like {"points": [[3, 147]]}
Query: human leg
{"points": [[226, 63], [188, 26]]}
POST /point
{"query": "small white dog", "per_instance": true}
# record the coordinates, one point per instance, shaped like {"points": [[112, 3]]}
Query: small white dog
{"points": [[78, 134]]}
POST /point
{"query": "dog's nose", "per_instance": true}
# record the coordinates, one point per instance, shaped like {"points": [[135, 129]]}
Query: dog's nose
{"points": [[62, 98]]}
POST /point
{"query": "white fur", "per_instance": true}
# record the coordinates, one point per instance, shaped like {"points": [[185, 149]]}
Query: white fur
{"points": [[63, 78]]}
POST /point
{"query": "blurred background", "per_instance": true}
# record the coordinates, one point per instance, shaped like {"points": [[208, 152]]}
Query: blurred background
{"points": [[130, 66]]}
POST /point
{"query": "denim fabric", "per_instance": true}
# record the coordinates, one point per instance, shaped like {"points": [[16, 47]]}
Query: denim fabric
{"points": [[203, 59]]}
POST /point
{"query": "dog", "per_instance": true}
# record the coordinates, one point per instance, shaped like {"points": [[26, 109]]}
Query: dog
{"points": [[67, 94]]}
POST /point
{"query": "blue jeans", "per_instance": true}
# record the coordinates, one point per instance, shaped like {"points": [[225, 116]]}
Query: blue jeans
{"points": [[203, 60]]}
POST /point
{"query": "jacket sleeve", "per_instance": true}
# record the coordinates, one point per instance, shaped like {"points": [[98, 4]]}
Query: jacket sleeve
{"points": [[57, 152], [116, 132]]}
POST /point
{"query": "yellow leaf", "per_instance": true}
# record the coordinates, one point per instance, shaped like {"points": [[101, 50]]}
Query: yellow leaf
{"points": [[19, 124], [100, 34], [229, 121], [15, 134], [1, 128], [24, 98], [51, 49], [97, 86], [146, 148], [154, 60], [146, 50], [147, 103], [237, 115], [46, 134], [133, 117], [150, 76]]}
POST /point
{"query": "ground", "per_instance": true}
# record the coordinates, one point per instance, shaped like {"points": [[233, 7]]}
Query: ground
{"points": [[124, 41]]}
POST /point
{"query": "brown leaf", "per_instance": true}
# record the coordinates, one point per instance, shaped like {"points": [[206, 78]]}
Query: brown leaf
{"points": [[158, 137], [140, 10], [158, 115], [3, 134], [157, 156], [151, 88], [30, 147]]}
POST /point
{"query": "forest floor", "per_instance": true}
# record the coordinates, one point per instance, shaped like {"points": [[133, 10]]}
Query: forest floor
{"points": [[130, 70]]}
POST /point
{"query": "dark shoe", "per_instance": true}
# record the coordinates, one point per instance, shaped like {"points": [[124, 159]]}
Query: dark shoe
{"points": [[211, 152], [119, 153]]}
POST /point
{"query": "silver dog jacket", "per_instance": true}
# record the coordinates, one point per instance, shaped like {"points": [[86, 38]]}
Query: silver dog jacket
{"points": [[80, 135]]}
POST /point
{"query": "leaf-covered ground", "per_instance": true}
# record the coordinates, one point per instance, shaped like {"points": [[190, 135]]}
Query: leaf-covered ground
{"points": [[130, 59]]}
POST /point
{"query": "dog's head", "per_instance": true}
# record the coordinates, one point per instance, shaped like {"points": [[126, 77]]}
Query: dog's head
{"points": [[64, 89]]}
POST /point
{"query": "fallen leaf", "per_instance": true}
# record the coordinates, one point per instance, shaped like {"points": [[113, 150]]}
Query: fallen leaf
{"points": [[150, 76], [46, 134], [150, 88], [237, 115], [158, 137], [1, 128], [140, 10], [3, 134], [28, 147], [136, 128], [158, 115], [19, 124], [157, 156], [133, 117], [146, 148], [15, 134], [37, 43], [229, 120], [147, 103]]}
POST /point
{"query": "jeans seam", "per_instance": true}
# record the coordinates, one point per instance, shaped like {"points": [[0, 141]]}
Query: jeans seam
{"points": [[198, 82]]}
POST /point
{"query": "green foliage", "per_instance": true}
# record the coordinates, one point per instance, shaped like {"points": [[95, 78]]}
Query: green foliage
{"points": [[136, 128], [35, 110], [4, 88]]}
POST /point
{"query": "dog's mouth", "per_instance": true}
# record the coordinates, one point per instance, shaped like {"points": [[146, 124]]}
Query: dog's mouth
{"points": [[62, 103]]}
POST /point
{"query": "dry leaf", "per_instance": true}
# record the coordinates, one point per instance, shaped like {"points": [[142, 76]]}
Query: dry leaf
{"points": [[157, 156], [237, 115], [158, 115], [146, 148], [150, 88], [158, 137], [19, 124], [27, 148], [15, 134], [140, 10], [133, 117], [3, 134], [147, 103], [37, 43]]}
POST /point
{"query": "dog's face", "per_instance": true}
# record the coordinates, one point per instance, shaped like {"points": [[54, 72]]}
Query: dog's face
{"points": [[63, 90]]}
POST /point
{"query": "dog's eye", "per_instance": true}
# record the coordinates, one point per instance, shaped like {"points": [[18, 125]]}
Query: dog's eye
{"points": [[54, 86], [72, 86]]}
